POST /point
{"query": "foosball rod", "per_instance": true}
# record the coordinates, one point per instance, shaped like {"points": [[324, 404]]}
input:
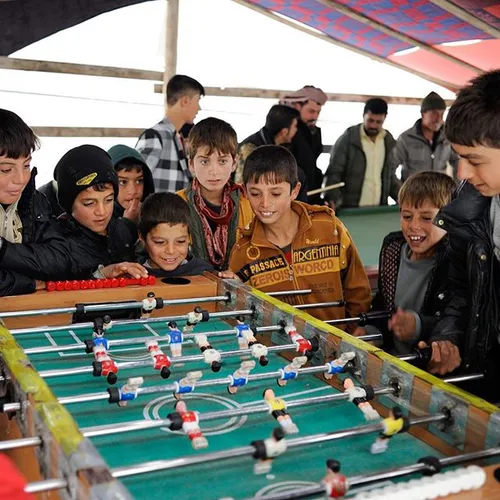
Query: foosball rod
{"points": [[362, 319], [127, 322], [163, 465], [139, 425], [405, 470], [117, 306]]}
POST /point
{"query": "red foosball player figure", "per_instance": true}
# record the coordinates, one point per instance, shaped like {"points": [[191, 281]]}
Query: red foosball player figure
{"points": [[160, 360], [277, 408], [148, 305], [104, 365], [360, 395], [268, 449], [336, 484], [303, 345], [394, 424], [190, 426]]}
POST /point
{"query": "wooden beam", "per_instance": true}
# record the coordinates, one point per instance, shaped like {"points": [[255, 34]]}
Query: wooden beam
{"points": [[276, 94], [78, 69], [467, 17], [396, 34], [338, 43], [172, 31], [87, 132]]}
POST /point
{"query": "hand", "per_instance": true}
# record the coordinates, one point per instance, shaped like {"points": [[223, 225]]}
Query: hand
{"points": [[133, 210], [228, 275], [445, 357], [39, 285], [404, 325], [359, 331], [125, 268]]}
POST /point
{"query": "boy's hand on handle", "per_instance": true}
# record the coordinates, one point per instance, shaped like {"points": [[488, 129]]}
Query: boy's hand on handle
{"points": [[403, 324], [125, 268], [228, 275], [359, 331], [445, 357], [133, 210]]}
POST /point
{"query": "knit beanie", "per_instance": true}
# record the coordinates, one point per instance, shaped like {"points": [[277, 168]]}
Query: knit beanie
{"points": [[81, 168], [121, 152], [431, 102]]}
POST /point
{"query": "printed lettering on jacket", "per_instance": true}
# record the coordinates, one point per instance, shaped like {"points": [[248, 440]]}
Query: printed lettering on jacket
{"points": [[261, 266]]}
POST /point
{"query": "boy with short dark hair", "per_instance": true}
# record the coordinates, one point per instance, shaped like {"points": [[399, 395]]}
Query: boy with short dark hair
{"points": [[164, 230], [472, 220], [217, 205], [291, 245], [25, 213], [413, 265], [87, 241], [135, 181], [161, 146]]}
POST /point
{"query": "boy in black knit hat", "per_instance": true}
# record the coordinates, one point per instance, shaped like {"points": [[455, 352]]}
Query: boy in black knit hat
{"points": [[89, 240]]}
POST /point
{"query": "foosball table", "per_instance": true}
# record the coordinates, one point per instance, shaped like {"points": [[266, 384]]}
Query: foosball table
{"points": [[207, 389]]}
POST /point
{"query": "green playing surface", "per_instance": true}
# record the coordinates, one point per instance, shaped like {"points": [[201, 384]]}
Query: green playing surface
{"points": [[368, 228], [229, 478]]}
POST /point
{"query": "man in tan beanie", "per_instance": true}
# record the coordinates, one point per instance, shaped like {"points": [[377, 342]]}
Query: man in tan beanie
{"points": [[424, 146], [306, 144]]}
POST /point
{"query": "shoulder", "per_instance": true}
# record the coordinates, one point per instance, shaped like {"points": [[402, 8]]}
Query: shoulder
{"points": [[394, 237]]}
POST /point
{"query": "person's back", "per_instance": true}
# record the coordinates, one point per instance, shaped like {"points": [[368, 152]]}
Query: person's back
{"points": [[424, 146], [362, 159], [217, 205], [25, 212], [293, 245], [161, 146], [164, 229]]}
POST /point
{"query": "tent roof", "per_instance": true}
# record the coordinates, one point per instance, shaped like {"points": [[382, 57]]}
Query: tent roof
{"points": [[446, 41]]}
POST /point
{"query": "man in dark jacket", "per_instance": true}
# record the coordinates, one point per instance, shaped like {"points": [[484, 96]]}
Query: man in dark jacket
{"points": [[87, 241], [361, 158], [472, 219], [424, 146], [306, 144], [280, 129], [25, 213]]}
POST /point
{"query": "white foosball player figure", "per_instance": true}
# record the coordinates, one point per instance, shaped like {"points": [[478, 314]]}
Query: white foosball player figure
{"points": [[259, 352], [337, 365], [187, 384], [291, 370], [194, 317], [128, 392], [213, 358], [160, 360], [190, 426], [268, 449], [360, 395], [148, 305], [175, 338], [240, 377]]}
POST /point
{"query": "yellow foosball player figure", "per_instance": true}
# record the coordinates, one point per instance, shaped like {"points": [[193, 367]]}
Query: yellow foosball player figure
{"points": [[277, 408], [394, 424]]}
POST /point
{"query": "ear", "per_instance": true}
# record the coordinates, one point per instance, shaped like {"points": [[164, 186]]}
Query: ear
{"points": [[295, 191], [184, 100], [191, 166], [142, 239], [235, 162]]}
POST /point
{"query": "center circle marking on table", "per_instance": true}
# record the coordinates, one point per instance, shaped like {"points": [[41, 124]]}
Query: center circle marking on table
{"points": [[282, 487], [152, 412]]}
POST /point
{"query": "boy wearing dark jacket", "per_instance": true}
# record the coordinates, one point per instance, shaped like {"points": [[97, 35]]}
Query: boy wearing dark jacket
{"points": [[472, 219], [87, 241], [164, 230], [24, 212]]}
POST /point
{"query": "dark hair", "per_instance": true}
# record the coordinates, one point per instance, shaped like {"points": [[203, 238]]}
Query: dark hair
{"points": [[275, 163], [16, 138], [129, 165], [333, 465], [214, 134], [100, 187], [377, 106], [473, 117], [162, 208], [280, 117], [180, 85], [397, 412], [437, 187]]}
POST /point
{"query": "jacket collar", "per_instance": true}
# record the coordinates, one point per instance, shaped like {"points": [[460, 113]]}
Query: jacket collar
{"points": [[416, 132]]}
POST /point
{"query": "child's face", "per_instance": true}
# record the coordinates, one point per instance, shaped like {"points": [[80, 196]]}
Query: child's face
{"points": [[480, 166], [93, 209], [14, 176], [270, 202], [131, 186], [419, 231], [212, 171], [167, 245]]}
